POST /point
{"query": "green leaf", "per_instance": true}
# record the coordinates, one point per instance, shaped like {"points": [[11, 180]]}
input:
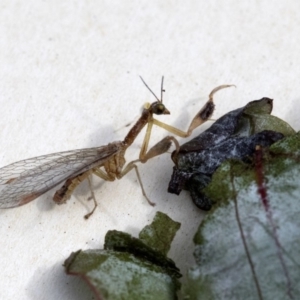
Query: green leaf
{"points": [[269, 122], [248, 245], [129, 268], [160, 234], [257, 117]]}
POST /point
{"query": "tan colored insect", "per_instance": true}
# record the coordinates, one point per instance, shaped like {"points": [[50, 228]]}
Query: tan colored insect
{"points": [[24, 181]]}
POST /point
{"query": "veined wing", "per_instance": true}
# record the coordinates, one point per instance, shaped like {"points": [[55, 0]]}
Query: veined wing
{"points": [[25, 180]]}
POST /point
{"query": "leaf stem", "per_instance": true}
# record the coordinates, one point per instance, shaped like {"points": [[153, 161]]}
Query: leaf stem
{"points": [[255, 278]]}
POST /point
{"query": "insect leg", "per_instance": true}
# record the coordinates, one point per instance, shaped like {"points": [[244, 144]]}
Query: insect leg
{"points": [[161, 147], [146, 140], [93, 197], [127, 169], [100, 173], [201, 117], [207, 110]]}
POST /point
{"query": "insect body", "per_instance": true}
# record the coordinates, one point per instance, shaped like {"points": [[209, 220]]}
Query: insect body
{"points": [[232, 136], [24, 181]]}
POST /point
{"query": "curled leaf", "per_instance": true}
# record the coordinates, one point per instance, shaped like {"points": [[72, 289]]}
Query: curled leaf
{"points": [[233, 136]]}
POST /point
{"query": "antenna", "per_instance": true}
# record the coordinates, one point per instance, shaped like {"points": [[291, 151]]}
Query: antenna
{"points": [[162, 89], [150, 89]]}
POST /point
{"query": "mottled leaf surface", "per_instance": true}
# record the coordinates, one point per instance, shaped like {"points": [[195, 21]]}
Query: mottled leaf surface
{"points": [[127, 268], [160, 234], [248, 246]]}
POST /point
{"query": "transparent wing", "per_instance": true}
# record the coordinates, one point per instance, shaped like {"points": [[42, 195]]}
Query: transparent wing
{"points": [[25, 180]]}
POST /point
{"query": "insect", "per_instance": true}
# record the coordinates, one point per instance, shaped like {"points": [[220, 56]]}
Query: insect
{"points": [[24, 181], [233, 136]]}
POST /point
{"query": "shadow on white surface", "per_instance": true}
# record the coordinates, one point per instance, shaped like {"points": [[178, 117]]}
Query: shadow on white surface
{"points": [[53, 284]]}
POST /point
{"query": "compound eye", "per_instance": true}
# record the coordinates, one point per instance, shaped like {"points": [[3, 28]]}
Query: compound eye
{"points": [[160, 109]]}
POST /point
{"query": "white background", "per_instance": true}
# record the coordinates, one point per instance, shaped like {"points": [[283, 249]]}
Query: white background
{"points": [[69, 79]]}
